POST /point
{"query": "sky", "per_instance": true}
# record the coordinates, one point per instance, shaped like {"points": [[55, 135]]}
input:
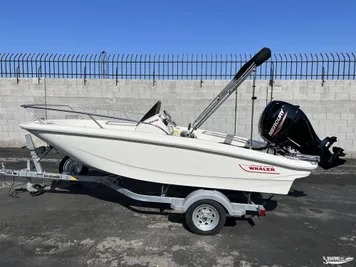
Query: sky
{"points": [[195, 26]]}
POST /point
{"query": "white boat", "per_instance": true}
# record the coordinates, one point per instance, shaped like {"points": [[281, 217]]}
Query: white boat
{"points": [[155, 149]]}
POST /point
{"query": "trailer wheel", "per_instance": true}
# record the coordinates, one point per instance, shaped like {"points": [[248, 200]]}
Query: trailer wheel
{"points": [[205, 217], [71, 166], [39, 191]]}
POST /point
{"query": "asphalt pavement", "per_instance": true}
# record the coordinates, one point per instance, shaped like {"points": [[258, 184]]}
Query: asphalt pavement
{"points": [[92, 225]]}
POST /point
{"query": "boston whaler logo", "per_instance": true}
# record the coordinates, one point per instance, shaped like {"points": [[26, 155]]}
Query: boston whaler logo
{"points": [[153, 121], [336, 260], [277, 125], [258, 169]]}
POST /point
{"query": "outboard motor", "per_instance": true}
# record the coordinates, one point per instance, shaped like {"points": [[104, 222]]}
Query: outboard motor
{"points": [[285, 125]]}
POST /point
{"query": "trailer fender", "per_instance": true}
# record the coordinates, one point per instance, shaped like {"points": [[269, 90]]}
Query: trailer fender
{"points": [[208, 194]]}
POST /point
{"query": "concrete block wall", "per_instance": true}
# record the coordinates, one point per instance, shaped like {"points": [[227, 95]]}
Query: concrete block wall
{"points": [[331, 108]]}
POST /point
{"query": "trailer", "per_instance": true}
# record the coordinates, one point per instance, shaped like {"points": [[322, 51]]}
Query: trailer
{"points": [[205, 209]]}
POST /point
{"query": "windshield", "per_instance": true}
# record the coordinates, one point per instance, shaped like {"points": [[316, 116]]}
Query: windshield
{"points": [[153, 111]]}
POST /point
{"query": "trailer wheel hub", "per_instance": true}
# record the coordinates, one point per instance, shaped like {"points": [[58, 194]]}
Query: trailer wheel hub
{"points": [[205, 217]]}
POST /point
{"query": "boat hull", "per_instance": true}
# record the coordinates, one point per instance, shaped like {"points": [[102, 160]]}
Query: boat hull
{"points": [[174, 160]]}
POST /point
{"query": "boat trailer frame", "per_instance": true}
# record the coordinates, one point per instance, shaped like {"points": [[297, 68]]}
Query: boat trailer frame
{"points": [[34, 170]]}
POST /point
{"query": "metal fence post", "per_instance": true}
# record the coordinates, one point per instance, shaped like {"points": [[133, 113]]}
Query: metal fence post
{"points": [[17, 75], [85, 75]]}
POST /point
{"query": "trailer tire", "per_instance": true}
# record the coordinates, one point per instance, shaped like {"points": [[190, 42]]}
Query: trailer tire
{"points": [[39, 191], [205, 217], [62, 165]]}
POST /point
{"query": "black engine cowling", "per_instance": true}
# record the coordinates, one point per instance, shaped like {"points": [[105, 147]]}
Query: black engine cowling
{"points": [[286, 125]]}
